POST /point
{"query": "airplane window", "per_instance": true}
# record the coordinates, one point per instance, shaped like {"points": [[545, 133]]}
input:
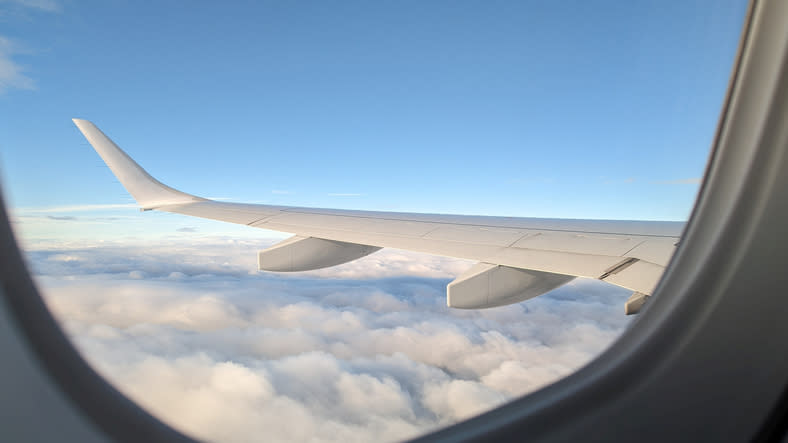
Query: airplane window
{"points": [[586, 119]]}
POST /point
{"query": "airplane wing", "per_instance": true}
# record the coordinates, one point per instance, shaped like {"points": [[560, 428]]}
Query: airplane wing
{"points": [[518, 258]]}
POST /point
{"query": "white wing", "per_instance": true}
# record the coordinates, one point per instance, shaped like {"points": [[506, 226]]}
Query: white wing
{"points": [[519, 258]]}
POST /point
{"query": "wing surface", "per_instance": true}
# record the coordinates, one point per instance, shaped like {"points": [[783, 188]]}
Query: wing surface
{"points": [[519, 258]]}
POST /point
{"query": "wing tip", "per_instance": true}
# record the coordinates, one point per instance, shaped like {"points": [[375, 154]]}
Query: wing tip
{"points": [[81, 123], [146, 190]]}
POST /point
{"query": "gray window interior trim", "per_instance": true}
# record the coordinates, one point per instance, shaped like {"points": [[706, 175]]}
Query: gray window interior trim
{"points": [[117, 416]]}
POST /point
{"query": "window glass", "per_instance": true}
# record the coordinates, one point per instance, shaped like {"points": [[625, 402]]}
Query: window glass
{"points": [[573, 110]]}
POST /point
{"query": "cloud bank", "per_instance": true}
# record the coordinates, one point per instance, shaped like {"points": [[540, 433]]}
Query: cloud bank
{"points": [[366, 351]]}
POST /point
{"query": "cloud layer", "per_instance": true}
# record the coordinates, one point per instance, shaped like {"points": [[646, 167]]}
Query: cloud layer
{"points": [[366, 351]]}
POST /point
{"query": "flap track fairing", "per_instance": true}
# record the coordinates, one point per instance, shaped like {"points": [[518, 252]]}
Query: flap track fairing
{"points": [[307, 253], [487, 285]]}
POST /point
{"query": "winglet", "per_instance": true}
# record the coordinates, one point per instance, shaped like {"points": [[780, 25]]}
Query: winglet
{"points": [[146, 190]]}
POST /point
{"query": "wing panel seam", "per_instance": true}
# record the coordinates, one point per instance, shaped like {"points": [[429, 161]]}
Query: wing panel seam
{"points": [[618, 267], [633, 248], [296, 211]]}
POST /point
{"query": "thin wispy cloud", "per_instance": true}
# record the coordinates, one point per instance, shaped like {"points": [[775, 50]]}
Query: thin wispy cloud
{"points": [[627, 180], [74, 208], [12, 74], [41, 5], [532, 180], [681, 181]]}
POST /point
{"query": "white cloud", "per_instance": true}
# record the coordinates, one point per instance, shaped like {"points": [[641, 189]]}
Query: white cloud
{"points": [[458, 399], [225, 353], [64, 258], [12, 74]]}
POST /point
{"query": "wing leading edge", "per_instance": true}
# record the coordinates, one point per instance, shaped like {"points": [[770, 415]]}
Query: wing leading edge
{"points": [[518, 258]]}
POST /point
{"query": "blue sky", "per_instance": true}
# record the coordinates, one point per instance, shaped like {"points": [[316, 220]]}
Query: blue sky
{"points": [[499, 108]]}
